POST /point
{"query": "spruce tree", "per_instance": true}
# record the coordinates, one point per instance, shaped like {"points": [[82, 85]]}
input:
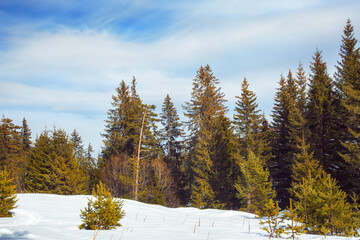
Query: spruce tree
{"points": [[25, 137], [248, 124], [78, 146], [353, 156], [7, 194], [254, 187], [53, 167], [85, 161], [320, 114], [304, 164], [204, 111], [226, 159], [103, 211], [347, 68], [171, 138], [92, 168], [282, 141], [320, 202], [305, 173], [202, 195], [348, 91], [301, 82]]}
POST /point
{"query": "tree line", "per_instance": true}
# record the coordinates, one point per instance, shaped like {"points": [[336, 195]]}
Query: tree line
{"points": [[309, 151]]}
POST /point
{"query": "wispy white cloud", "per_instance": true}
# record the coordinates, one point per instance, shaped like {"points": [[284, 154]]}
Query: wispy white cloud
{"points": [[65, 69], [26, 98]]}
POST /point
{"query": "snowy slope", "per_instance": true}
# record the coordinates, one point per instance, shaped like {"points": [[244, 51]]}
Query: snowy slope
{"points": [[46, 217]]}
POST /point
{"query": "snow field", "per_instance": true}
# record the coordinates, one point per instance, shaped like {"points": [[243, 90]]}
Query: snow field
{"points": [[54, 217]]}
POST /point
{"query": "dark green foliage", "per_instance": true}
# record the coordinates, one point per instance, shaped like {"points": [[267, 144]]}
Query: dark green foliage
{"points": [[7, 194], [53, 167], [171, 138], [92, 168], [25, 137], [347, 68], [348, 89], [253, 141], [347, 75], [320, 114], [78, 146], [283, 139], [249, 125], [204, 111], [172, 132], [202, 195], [103, 211], [254, 188], [225, 170]]}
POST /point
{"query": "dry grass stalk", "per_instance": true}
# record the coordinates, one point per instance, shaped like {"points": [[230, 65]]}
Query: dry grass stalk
{"points": [[122, 233]]}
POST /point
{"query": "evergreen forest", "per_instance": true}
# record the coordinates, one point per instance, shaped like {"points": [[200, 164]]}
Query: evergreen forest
{"points": [[304, 158]]}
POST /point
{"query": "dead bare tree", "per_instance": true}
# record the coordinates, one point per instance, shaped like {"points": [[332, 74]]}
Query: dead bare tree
{"points": [[137, 164]]}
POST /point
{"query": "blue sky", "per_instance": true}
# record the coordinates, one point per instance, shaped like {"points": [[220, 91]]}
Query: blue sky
{"points": [[60, 61]]}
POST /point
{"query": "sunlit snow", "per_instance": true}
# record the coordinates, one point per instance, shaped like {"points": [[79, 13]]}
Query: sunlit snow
{"points": [[46, 217]]}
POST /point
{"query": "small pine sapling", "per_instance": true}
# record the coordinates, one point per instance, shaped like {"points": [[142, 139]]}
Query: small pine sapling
{"points": [[7, 194], [271, 213], [295, 225], [354, 224], [104, 212]]}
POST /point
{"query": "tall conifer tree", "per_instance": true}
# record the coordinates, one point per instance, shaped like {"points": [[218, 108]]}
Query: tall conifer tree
{"points": [[282, 149], [348, 94], [203, 111], [320, 114], [248, 124], [225, 169], [252, 135], [171, 138]]}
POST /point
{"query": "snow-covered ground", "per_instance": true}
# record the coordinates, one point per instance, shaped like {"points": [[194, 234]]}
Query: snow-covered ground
{"points": [[46, 217]]}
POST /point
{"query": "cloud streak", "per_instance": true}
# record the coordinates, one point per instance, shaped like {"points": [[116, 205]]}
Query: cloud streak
{"points": [[70, 60]]}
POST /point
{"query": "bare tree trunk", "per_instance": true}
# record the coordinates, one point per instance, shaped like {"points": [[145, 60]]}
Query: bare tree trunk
{"points": [[137, 165]]}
